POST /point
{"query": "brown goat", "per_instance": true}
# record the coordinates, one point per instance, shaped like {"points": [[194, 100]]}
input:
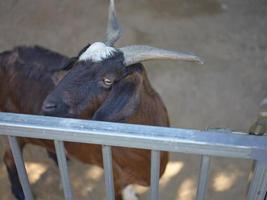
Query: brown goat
{"points": [[105, 90], [35, 71], [103, 83], [82, 94], [109, 84]]}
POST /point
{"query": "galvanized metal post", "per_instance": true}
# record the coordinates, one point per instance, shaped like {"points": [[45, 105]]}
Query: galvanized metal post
{"points": [[23, 177], [258, 184], [107, 161], [203, 177], [154, 179], [63, 169]]}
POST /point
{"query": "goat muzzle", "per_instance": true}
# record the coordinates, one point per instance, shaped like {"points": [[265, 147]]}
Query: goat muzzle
{"points": [[53, 108]]}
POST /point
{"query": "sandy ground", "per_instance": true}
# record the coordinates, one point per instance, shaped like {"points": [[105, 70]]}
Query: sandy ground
{"points": [[224, 92]]}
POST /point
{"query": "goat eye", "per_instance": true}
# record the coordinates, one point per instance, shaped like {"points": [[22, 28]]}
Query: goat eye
{"points": [[107, 82]]}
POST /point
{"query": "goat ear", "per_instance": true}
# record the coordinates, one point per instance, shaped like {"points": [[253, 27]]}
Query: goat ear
{"points": [[72, 60], [123, 100], [69, 64]]}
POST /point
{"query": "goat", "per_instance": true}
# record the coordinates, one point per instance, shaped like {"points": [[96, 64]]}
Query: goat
{"points": [[110, 84], [112, 87], [115, 89], [106, 83]]}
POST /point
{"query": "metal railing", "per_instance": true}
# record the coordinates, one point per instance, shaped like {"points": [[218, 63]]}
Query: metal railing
{"points": [[204, 143]]}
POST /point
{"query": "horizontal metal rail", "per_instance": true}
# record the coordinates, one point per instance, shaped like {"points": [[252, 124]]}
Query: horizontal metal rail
{"points": [[206, 143], [210, 143]]}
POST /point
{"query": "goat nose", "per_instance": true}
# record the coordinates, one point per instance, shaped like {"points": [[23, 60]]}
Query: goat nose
{"points": [[49, 107]]}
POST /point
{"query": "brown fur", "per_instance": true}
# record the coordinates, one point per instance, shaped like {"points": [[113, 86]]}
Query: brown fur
{"points": [[131, 99], [130, 166], [26, 82], [26, 78]]}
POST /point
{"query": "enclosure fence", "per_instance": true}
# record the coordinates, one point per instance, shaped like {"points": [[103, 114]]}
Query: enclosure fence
{"points": [[205, 143]]}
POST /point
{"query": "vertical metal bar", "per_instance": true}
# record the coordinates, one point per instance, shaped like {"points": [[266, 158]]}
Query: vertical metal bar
{"points": [[203, 177], [63, 169], [263, 193], [107, 162], [258, 184], [154, 179], [23, 177]]}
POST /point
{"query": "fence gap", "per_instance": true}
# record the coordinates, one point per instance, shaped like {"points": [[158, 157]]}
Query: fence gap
{"points": [[63, 169], [23, 177], [107, 162]]}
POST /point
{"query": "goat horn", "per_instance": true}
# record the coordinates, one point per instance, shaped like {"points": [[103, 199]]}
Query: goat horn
{"points": [[113, 28], [138, 53]]}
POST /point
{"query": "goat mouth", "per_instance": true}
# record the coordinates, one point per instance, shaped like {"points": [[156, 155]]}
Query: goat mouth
{"points": [[55, 112], [49, 107], [61, 115]]}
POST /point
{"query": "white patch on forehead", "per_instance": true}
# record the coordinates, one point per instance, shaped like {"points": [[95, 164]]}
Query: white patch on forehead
{"points": [[97, 52]]}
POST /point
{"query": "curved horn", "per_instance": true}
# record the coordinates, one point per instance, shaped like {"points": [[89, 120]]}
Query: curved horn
{"points": [[138, 53], [113, 28]]}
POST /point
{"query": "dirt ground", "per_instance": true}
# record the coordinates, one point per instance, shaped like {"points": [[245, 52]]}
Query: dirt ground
{"points": [[224, 92]]}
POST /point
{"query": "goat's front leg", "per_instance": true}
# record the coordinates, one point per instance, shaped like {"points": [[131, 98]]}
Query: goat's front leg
{"points": [[127, 193], [13, 174], [53, 156]]}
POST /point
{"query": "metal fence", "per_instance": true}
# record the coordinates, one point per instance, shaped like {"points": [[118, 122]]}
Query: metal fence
{"points": [[204, 143]]}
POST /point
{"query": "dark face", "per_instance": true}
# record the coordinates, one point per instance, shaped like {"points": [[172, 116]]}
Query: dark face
{"points": [[95, 90]]}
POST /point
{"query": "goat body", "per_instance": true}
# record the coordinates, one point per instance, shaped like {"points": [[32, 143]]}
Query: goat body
{"points": [[103, 83], [107, 90], [29, 74], [130, 166]]}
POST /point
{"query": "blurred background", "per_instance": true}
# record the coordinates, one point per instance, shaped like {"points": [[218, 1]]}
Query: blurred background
{"points": [[225, 92]]}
